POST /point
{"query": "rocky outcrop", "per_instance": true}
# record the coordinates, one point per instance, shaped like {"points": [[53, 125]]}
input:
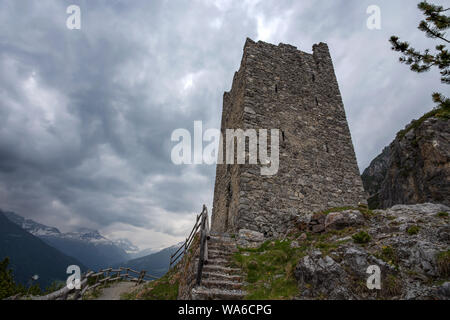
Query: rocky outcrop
{"points": [[409, 243], [249, 238], [414, 168]]}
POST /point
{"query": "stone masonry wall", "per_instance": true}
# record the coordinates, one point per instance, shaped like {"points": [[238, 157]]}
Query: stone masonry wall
{"points": [[280, 87]]}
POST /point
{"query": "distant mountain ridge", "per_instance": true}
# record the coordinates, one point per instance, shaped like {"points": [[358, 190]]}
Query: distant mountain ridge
{"points": [[41, 230], [156, 264], [96, 251], [29, 255], [87, 245]]}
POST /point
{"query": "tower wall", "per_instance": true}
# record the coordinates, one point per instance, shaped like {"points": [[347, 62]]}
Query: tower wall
{"points": [[280, 87]]}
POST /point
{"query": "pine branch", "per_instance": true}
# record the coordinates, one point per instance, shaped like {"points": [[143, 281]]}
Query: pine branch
{"points": [[432, 33]]}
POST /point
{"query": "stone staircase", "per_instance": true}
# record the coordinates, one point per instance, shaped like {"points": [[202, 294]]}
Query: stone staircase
{"points": [[219, 281]]}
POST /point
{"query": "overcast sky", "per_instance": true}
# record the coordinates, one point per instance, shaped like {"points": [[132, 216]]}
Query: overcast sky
{"points": [[86, 115]]}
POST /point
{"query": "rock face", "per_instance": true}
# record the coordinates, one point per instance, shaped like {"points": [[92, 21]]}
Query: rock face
{"points": [[249, 238], [415, 168], [409, 243], [280, 87]]}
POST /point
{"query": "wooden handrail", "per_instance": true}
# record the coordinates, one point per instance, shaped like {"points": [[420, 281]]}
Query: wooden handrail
{"points": [[187, 243], [204, 233]]}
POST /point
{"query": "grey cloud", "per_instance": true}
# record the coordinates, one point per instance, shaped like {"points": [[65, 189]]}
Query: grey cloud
{"points": [[87, 114]]}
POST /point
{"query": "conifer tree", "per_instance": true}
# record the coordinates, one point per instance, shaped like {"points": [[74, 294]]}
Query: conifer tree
{"points": [[436, 22], [7, 284]]}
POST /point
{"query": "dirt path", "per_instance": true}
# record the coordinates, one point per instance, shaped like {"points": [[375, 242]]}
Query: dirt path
{"points": [[116, 290]]}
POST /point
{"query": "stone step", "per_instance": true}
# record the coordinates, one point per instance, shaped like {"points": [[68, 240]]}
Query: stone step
{"points": [[221, 276], [217, 234], [219, 254], [221, 269], [202, 293], [212, 256], [221, 284], [218, 262], [223, 243], [222, 247], [221, 239]]}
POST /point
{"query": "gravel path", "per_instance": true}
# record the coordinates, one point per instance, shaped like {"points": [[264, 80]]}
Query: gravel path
{"points": [[116, 290]]}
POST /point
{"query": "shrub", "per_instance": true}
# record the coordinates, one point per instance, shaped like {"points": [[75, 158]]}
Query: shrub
{"points": [[361, 237], [7, 284], [413, 230], [443, 263], [392, 286], [442, 214]]}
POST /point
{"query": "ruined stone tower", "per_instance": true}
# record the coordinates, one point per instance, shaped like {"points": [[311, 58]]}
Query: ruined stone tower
{"points": [[280, 87]]}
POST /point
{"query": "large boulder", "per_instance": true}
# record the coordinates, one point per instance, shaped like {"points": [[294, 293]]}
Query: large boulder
{"points": [[249, 238], [343, 219]]}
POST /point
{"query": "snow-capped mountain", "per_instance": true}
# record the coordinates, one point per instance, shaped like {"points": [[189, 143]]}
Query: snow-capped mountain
{"points": [[29, 255], [31, 226], [41, 230], [87, 245]]}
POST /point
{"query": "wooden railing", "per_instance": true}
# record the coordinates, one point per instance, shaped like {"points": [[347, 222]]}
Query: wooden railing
{"points": [[201, 221], [204, 236], [101, 277]]}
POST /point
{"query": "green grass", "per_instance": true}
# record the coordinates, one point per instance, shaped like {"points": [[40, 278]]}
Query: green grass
{"points": [[270, 269], [391, 286], [93, 294], [389, 255], [361, 237], [442, 214], [165, 288], [413, 230], [443, 263]]}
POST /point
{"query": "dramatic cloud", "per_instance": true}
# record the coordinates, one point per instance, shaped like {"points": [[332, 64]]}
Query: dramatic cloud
{"points": [[87, 114]]}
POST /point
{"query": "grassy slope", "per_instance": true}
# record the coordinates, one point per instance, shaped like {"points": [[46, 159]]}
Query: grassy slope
{"points": [[270, 268]]}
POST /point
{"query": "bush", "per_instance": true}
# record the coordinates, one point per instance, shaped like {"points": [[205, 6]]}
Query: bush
{"points": [[361, 237], [413, 230], [443, 263], [388, 255], [7, 285], [392, 286], [442, 214]]}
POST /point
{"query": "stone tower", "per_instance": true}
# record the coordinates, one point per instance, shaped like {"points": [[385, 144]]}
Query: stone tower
{"points": [[280, 87]]}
